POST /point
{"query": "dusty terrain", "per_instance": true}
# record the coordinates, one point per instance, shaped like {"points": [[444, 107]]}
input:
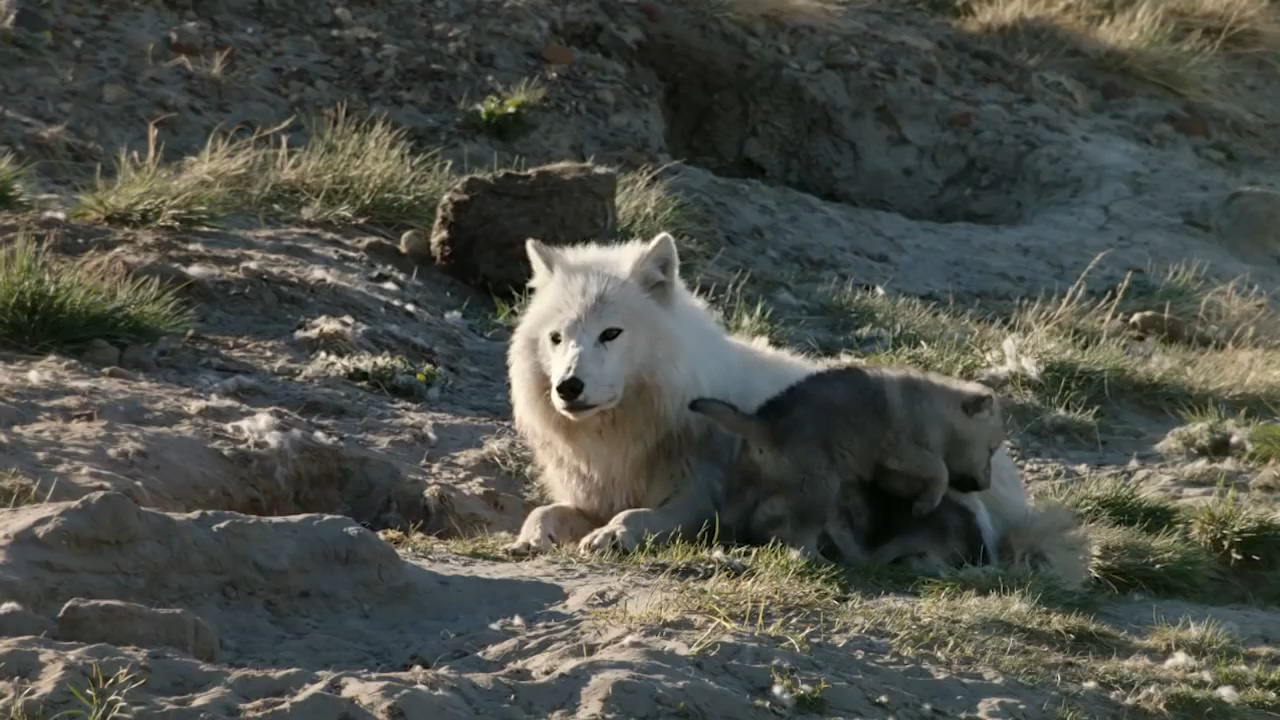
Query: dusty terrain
{"points": [[288, 503]]}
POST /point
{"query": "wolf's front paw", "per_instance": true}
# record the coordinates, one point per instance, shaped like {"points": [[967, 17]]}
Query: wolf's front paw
{"points": [[926, 503], [549, 526], [614, 536]]}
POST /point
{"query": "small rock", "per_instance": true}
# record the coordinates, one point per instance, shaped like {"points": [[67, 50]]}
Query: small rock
{"points": [[1159, 324], [17, 621], [187, 39], [557, 54], [113, 93], [120, 623], [102, 353], [138, 357], [1189, 125], [962, 119], [118, 373], [482, 224], [416, 245], [1247, 221], [28, 20], [1112, 90], [343, 15]]}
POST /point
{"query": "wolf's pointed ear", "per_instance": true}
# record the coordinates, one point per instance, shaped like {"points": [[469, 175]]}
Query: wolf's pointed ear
{"points": [[542, 257], [729, 417], [658, 269], [982, 402]]}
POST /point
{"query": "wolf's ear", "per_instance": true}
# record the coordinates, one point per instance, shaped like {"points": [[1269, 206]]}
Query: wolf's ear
{"points": [[729, 417], [978, 403], [658, 269], [542, 257]]}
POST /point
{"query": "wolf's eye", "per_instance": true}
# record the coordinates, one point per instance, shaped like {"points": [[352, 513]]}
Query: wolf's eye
{"points": [[610, 334], [555, 338]]}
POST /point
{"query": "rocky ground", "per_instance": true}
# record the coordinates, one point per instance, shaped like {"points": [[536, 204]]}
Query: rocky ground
{"points": [[287, 501]]}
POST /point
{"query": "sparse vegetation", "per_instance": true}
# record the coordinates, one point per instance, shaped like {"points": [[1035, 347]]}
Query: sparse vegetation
{"points": [[383, 372], [1203, 50], [1065, 361], [16, 489], [52, 303], [505, 115], [647, 206], [1147, 543], [349, 171], [14, 182], [1011, 626]]}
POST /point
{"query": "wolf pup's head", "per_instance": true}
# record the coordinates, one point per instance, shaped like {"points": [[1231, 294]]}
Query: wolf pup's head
{"points": [[598, 319], [980, 431]]}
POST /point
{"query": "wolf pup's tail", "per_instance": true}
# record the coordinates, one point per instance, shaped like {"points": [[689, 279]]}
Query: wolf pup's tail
{"points": [[1048, 539]]}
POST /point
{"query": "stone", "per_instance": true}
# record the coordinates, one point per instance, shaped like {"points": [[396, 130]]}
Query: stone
{"points": [[557, 54], [17, 621], [416, 245], [1247, 221], [482, 224], [102, 353], [121, 623]]}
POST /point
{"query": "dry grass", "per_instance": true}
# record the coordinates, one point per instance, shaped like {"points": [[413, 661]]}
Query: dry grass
{"points": [[349, 171], [647, 206], [1204, 50], [1064, 362], [48, 302], [16, 490]]}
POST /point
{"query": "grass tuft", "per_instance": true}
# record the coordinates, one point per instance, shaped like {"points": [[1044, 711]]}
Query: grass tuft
{"points": [[1162, 563], [1239, 535], [648, 206], [505, 115], [352, 171], [349, 170], [1117, 501], [17, 490], [15, 179], [144, 191], [51, 303]]}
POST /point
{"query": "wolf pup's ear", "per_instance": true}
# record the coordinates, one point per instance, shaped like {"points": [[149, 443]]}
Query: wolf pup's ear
{"points": [[542, 257], [975, 404], [729, 417], [658, 269]]}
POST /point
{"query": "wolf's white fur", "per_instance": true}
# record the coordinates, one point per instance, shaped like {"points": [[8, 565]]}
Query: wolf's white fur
{"points": [[640, 462]]}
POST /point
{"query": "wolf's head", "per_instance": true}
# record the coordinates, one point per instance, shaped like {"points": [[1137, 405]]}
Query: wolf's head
{"points": [[599, 319]]}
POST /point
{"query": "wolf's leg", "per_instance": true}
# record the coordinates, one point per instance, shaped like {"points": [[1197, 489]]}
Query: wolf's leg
{"points": [[926, 466], [851, 550], [551, 525], [683, 514], [909, 542]]}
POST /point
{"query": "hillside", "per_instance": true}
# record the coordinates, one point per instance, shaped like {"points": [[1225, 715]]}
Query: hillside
{"points": [[258, 458]]}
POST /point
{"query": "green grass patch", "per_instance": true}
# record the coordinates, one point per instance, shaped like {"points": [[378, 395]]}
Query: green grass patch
{"points": [[49, 303], [505, 115]]}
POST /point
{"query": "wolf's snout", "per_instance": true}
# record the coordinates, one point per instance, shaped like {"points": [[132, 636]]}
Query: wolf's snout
{"points": [[570, 389]]}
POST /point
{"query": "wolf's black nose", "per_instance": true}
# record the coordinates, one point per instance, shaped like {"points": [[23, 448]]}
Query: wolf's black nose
{"points": [[569, 389]]}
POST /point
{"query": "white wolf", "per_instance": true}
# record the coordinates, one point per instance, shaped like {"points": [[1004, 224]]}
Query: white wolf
{"points": [[609, 352]]}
